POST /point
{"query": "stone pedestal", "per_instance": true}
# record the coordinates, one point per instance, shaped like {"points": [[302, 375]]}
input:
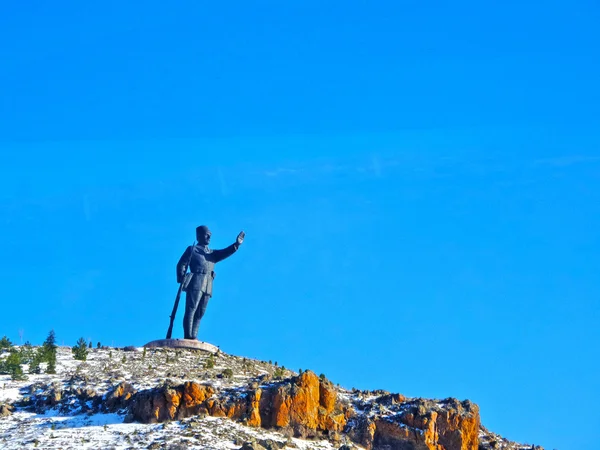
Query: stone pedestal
{"points": [[191, 344]]}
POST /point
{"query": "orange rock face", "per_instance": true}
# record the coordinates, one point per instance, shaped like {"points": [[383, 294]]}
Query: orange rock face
{"points": [[305, 404], [254, 419], [173, 400], [309, 406], [195, 394], [459, 428]]}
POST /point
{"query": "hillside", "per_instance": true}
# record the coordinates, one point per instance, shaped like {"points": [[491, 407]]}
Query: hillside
{"points": [[180, 399]]}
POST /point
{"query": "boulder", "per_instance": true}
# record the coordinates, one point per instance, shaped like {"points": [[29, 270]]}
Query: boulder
{"points": [[6, 410]]}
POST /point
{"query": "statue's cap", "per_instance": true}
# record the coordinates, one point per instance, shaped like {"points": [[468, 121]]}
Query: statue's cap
{"points": [[202, 229]]}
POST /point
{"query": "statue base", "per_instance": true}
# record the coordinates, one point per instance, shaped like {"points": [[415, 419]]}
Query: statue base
{"points": [[190, 344]]}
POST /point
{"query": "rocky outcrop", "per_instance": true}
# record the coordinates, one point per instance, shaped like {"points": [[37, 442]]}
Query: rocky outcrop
{"points": [[492, 441], [420, 425], [304, 404], [309, 406], [119, 397], [172, 402]]}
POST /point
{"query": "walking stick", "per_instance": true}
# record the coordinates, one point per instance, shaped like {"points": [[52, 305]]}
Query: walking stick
{"points": [[170, 330]]}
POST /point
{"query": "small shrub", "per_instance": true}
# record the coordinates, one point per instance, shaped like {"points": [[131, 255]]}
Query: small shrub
{"points": [[210, 362], [322, 377], [124, 360], [228, 373], [279, 372], [90, 345], [99, 345]]}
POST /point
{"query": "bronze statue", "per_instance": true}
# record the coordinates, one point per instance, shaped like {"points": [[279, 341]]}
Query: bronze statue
{"points": [[198, 283]]}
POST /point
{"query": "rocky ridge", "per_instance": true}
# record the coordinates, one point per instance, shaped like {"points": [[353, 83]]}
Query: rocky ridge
{"points": [[165, 398]]}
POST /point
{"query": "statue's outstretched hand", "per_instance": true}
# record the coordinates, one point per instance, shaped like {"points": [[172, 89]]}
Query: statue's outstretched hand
{"points": [[240, 238]]}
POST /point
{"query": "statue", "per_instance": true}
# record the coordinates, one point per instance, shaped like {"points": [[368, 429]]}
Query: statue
{"points": [[198, 283]]}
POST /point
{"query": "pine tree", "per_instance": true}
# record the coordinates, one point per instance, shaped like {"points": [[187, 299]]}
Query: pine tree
{"points": [[51, 367], [49, 352], [49, 345], [27, 353], [90, 346], [34, 366], [12, 366], [80, 351], [5, 343]]}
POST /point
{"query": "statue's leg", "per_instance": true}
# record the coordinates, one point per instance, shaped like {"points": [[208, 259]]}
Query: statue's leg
{"points": [[192, 299], [200, 310]]}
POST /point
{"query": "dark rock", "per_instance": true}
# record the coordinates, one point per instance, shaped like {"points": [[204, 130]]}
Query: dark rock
{"points": [[252, 445], [54, 397], [178, 446], [380, 392], [270, 444], [119, 396], [390, 399]]}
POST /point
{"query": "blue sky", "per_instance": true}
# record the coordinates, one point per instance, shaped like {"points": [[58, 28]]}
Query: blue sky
{"points": [[419, 185]]}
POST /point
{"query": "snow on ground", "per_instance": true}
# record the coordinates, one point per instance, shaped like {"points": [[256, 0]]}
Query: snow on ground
{"points": [[104, 369], [53, 431], [9, 395], [9, 390]]}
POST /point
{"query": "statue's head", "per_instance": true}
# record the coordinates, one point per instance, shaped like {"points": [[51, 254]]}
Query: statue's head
{"points": [[203, 235]]}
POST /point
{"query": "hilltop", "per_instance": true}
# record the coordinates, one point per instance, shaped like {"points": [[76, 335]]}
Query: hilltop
{"points": [[130, 397]]}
